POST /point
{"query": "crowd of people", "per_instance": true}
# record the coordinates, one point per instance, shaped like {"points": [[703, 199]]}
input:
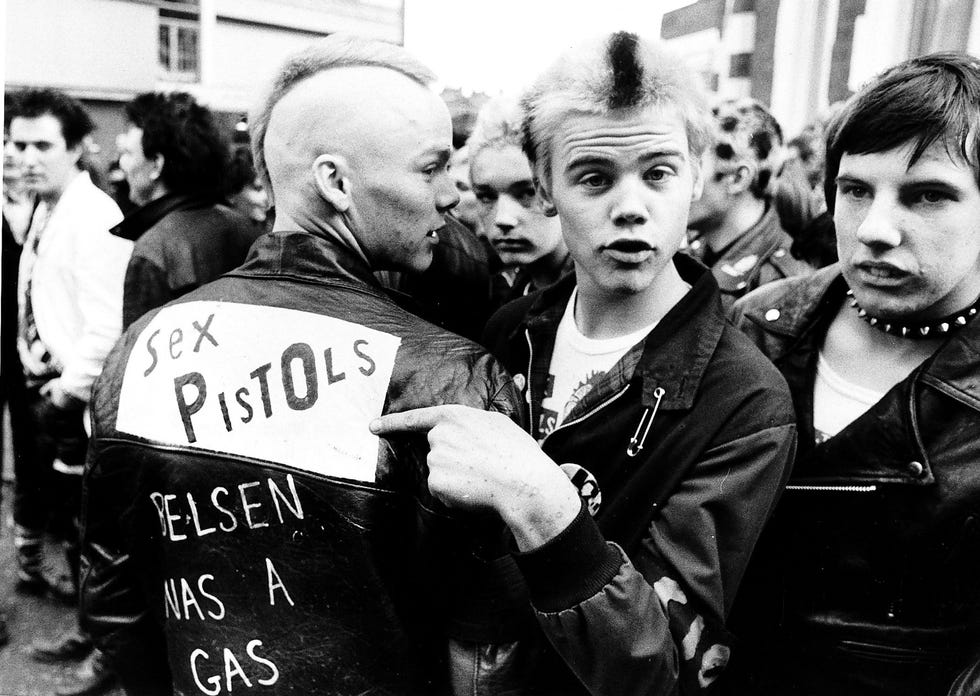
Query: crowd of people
{"points": [[621, 392]]}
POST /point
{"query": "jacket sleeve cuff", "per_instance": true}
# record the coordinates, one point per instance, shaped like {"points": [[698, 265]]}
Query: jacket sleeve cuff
{"points": [[570, 568]]}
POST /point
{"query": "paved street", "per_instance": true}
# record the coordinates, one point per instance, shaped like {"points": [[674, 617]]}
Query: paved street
{"points": [[27, 617]]}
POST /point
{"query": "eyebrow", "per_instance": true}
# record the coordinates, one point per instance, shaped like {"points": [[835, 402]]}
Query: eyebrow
{"points": [[592, 159], [443, 154]]}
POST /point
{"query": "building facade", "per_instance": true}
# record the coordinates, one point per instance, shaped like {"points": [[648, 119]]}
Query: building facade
{"points": [[799, 56], [222, 51]]}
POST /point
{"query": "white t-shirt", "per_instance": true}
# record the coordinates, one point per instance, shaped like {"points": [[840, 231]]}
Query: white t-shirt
{"points": [[576, 364], [836, 402]]}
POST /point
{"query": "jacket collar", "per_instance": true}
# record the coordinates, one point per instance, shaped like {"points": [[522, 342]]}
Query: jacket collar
{"points": [[675, 355], [810, 305], [740, 260], [148, 215], [307, 256]]}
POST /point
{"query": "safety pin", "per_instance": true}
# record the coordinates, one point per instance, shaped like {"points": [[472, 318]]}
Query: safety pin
{"points": [[636, 442]]}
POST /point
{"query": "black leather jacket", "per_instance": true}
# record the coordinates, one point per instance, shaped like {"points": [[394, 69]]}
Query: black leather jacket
{"points": [[181, 242], [231, 549], [871, 565]]}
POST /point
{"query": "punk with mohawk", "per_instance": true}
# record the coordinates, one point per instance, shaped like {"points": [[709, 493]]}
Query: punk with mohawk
{"points": [[658, 437]]}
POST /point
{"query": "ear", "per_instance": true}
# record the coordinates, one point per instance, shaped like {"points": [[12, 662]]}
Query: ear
{"points": [[157, 169], [76, 154], [330, 176], [698, 166], [542, 187], [741, 178]]}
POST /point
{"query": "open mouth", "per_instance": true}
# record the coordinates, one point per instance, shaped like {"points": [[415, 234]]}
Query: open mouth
{"points": [[630, 251]]}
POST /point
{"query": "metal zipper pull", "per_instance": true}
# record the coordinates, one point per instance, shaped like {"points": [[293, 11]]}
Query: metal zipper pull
{"points": [[649, 413]]}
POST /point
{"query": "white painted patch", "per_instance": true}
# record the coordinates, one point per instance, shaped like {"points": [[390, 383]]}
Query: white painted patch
{"points": [[269, 383]]}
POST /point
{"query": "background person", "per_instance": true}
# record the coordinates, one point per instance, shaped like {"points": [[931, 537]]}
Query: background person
{"points": [[524, 233], [175, 161], [70, 309], [738, 233]]}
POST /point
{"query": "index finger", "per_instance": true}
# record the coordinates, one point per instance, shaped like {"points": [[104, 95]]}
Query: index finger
{"points": [[417, 420]]}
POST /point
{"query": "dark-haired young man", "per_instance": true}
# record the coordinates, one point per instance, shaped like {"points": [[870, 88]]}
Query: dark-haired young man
{"points": [[69, 302], [175, 160], [739, 236], [664, 436], [867, 580]]}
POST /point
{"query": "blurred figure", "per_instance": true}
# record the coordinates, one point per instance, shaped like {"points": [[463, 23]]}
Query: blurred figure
{"points": [[18, 207], [175, 161], [70, 309], [468, 210], [246, 193], [118, 187], [800, 200], [524, 231], [738, 235]]}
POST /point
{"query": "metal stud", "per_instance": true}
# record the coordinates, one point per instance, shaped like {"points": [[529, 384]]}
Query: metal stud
{"points": [[862, 313], [873, 321], [944, 327], [961, 321], [924, 330], [905, 331]]}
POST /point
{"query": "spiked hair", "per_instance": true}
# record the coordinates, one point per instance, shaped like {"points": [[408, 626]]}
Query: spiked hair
{"points": [[933, 98], [618, 72], [745, 130], [497, 125]]}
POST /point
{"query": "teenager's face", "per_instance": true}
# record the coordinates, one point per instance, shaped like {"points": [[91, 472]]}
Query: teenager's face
{"points": [[909, 237], [622, 184], [511, 211]]}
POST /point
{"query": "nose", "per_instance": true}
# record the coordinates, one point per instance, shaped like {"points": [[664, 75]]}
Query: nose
{"points": [[506, 214], [447, 197], [29, 155], [881, 226], [629, 207]]}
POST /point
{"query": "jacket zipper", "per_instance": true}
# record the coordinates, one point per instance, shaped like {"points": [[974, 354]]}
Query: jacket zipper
{"points": [[530, 362], [581, 418], [634, 442], [870, 488]]}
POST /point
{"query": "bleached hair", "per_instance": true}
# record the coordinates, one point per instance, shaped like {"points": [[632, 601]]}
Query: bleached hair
{"points": [[613, 73], [497, 125], [335, 51]]}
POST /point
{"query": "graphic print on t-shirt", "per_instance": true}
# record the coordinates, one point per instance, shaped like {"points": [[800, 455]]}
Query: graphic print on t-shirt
{"points": [[549, 418], [578, 366]]}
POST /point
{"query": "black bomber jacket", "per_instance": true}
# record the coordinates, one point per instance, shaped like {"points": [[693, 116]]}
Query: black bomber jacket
{"points": [[680, 453]]}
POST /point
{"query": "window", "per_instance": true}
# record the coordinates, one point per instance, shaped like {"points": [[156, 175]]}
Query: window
{"points": [[741, 65], [178, 49]]}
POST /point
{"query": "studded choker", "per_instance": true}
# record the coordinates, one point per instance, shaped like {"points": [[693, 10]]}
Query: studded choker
{"points": [[937, 327]]}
